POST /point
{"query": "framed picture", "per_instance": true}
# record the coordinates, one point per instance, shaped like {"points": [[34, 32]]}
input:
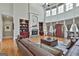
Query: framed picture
{"points": [[34, 20], [7, 27]]}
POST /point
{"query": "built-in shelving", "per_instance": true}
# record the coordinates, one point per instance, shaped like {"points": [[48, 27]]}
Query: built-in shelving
{"points": [[24, 28]]}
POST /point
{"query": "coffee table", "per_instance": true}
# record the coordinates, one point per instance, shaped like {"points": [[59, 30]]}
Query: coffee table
{"points": [[53, 50], [50, 42]]}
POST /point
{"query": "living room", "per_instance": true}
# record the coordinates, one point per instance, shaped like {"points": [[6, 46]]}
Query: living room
{"points": [[39, 29]]}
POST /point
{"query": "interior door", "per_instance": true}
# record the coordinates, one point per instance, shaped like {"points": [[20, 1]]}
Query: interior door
{"points": [[59, 30], [7, 26]]}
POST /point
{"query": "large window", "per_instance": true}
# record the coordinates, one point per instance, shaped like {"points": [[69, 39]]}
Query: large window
{"points": [[61, 9], [69, 6], [48, 13], [77, 4], [54, 11]]}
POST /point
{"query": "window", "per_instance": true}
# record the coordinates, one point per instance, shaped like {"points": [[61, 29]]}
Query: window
{"points": [[69, 6], [61, 9], [48, 13], [77, 4], [54, 11]]}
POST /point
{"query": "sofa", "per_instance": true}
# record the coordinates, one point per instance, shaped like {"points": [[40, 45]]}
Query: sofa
{"points": [[74, 50], [28, 48]]}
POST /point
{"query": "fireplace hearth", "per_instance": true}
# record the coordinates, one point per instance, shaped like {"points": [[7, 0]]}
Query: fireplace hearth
{"points": [[34, 32]]}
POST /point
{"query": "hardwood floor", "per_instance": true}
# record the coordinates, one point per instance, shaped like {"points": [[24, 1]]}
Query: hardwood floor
{"points": [[37, 39], [9, 46]]}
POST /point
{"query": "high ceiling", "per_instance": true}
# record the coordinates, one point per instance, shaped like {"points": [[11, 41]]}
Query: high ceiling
{"points": [[50, 5]]}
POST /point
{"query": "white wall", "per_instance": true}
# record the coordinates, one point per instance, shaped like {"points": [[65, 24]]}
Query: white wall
{"points": [[20, 12], [0, 28], [64, 16], [37, 9], [6, 9]]}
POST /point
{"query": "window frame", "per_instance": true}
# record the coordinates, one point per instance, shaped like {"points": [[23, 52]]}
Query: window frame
{"points": [[77, 4], [69, 6], [60, 9], [47, 13], [54, 11]]}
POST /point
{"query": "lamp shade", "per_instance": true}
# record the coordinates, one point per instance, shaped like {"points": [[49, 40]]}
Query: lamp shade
{"points": [[51, 29], [74, 28], [65, 28]]}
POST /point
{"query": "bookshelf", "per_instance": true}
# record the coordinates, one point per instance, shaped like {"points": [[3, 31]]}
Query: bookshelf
{"points": [[24, 28]]}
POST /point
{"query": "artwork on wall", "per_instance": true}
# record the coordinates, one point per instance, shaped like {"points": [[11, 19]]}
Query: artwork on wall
{"points": [[7, 27]]}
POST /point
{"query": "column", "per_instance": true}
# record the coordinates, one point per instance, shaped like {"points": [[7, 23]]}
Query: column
{"points": [[74, 29], [44, 25], [65, 31], [57, 12], [29, 20], [52, 29]]}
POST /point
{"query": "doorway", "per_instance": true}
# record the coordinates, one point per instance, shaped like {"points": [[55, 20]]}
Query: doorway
{"points": [[8, 27], [59, 31], [41, 32]]}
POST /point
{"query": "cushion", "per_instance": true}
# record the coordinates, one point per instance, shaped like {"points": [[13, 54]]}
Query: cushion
{"points": [[77, 43], [74, 51]]}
